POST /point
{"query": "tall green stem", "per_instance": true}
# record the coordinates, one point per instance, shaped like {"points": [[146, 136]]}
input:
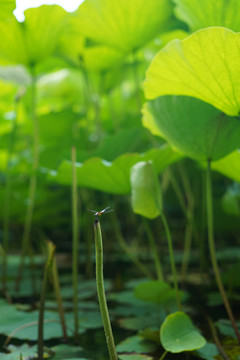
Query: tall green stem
{"points": [[190, 221], [32, 190], [212, 249], [7, 195], [75, 235], [101, 292], [51, 250], [156, 258], [171, 254], [57, 291]]}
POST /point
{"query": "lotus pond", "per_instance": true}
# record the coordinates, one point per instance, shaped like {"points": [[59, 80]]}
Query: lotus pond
{"points": [[120, 171]]}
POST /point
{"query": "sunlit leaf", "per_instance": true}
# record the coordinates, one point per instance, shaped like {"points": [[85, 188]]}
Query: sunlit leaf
{"points": [[229, 166], [204, 65], [7, 7], [178, 334], [198, 14], [192, 126], [126, 24], [35, 39]]}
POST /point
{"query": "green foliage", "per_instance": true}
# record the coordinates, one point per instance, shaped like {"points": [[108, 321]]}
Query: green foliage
{"points": [[88, 69]]}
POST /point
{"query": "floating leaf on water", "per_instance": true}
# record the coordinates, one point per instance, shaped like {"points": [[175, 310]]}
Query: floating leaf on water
{"points": [[178, 334]]}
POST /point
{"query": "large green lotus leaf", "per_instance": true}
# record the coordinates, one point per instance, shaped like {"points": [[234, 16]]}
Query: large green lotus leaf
{"points": [[178, 334], [146, 198], [194, 127], [35, 39], [198, 14], [126, 24], [229, 166], [7, 7], [112, 177], [204, 65]]}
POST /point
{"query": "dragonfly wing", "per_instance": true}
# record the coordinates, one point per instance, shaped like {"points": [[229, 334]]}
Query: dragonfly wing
{"points": [[104, 210], [108, 211]]}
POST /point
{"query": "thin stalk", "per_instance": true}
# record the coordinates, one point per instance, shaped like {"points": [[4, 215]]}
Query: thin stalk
{"points": [[57, 291], [177, 190], [75, 235], [32, 191], [7, 196], [190, 223], [25, 326], [51, 250], [213, 251], [187, 249], [156, 258], [171, 254], [101, 292], [127, 249], [216, 338], [163, 355]]}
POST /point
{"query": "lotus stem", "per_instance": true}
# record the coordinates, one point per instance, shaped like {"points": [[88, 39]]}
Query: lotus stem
{"points": [[156, 258], [101, 292], [51, 249], [171, 254], [75, 232]]}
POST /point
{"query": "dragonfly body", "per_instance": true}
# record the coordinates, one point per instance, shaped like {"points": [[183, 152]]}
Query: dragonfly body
{"points": [[104, 211]]}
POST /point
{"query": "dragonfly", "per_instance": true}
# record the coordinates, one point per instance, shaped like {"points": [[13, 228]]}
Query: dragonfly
{"points": [[104, 211]]}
